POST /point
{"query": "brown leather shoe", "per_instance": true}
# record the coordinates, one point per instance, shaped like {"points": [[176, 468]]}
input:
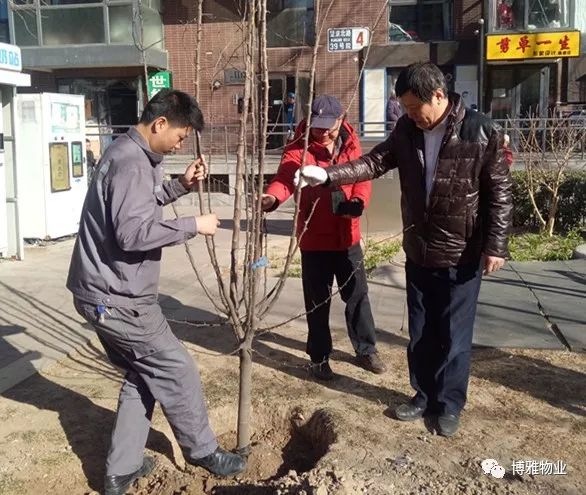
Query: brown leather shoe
{"points": [[371, 362]]}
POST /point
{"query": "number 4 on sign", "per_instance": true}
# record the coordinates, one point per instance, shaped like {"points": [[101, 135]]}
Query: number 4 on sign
{"points": [[360, 38]]}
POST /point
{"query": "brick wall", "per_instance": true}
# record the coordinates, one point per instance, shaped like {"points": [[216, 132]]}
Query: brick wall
{"points": [[336, 73]]}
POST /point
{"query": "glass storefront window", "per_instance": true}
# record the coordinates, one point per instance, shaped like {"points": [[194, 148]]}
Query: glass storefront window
{"points": [[403, 26], [82, 22], [73, 26], [420, 20], [153, 29], [290, 23], [120, 27], [4, 34], [25, 28], [528, 15], [223, 10]]}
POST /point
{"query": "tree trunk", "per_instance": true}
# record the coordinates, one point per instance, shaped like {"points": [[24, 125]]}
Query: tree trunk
{"points": [[553, 209], [244, 398]]}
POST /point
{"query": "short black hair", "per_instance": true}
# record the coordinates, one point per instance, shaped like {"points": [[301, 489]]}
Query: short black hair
{"points": [[179, 108], [422, 79]]}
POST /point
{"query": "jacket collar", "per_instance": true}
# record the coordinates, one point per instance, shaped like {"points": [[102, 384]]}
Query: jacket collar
{"points": [[453, 119], [154, 158], [458, 110]]}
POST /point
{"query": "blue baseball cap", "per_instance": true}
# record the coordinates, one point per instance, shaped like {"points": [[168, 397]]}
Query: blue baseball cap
{"points": [[325, 110]]}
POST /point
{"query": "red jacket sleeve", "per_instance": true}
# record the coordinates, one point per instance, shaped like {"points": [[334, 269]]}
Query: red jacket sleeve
{"points": [[282, 187], [362, 190]]}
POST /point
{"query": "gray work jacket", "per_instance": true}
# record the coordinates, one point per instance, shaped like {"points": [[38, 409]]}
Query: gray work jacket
{"points": [[117, 253]]}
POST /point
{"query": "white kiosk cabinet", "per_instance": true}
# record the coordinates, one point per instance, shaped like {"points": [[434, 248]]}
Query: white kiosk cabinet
{"points": [[51, 164]]}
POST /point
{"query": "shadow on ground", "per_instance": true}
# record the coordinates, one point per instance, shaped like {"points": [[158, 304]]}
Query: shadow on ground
{"points": [[560, 387]]}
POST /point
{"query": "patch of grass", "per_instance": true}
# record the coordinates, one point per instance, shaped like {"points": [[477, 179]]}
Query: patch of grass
{"points": [[294, 267], [376, 253], [540, 247], [294, 271]]}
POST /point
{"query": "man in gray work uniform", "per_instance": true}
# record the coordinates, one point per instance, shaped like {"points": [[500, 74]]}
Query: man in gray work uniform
{"points": [[114, 277]]}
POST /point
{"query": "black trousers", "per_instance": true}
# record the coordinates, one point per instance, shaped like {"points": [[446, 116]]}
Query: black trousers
{"points": [[442, 308], [318, 271]]}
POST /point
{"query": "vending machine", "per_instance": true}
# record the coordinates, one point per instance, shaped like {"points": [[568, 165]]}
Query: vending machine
{"points": [[51, 164]]}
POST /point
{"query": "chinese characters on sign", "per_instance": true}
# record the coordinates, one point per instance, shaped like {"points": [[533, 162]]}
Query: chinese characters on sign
{"points": [[234, 76], [533, 45], [347, 39], [158, 81], [10, 58], [59, 166]]}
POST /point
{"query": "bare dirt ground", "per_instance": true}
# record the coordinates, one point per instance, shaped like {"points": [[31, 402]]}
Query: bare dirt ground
{"points": [[310, 438]]}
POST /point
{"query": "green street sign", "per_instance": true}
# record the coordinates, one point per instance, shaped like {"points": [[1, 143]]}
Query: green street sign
{"points": [[158, 81]]}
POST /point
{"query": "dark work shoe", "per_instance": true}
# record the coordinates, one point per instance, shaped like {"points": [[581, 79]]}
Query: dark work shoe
{"points": [[448, 424], [322, 370], [371, 362], [119, 485], [221, 463], [409, 412]]}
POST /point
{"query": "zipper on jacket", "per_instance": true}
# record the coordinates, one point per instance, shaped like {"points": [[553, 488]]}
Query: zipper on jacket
{"points": [[454, 130]]}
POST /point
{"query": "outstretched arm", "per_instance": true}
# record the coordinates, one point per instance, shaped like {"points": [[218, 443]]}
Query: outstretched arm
{"points": [[282, 186], [369, 166]]}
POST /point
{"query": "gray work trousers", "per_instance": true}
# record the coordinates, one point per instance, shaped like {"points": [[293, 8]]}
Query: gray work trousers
{"points": [[158, 368]]}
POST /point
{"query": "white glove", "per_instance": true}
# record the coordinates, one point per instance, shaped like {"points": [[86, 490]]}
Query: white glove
{"points": [[310, 175]]}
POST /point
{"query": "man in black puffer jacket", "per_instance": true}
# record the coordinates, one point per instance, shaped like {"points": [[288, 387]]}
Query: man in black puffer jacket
{"points": [[456, 202]]}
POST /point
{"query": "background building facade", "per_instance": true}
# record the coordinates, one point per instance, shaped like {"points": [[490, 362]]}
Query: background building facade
{"points": [[103, 48]]}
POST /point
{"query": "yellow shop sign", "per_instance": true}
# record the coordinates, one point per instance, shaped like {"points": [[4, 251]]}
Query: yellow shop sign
{"points": [[533, 45]]}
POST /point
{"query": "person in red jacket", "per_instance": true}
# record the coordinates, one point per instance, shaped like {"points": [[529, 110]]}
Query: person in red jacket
{"points": [[330, 245]]}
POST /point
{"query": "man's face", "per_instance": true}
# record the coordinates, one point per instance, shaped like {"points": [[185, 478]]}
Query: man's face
{"points": [[326, 136], [168, 138], [425, 115]]}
